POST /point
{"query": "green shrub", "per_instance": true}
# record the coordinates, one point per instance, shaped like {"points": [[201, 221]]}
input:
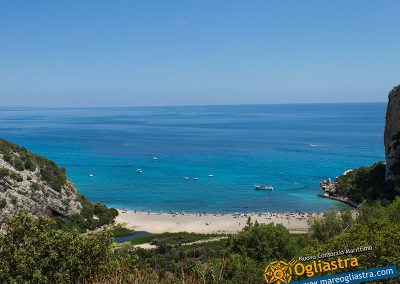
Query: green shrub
{"points": [[36, 186], [52, 174], [264, 242], [4, 172], [106, 215], [377, 211], [30, 164], [14, 200], [331, 224], [241, 269], [3, 203], [16, 176], [18, 164], [8, 157], [120, 231]]}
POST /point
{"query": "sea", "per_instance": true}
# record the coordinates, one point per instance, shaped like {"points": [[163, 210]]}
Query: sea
{"points": [[291, 147]]}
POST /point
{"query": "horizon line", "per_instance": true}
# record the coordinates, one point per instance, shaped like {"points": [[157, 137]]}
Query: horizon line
{"points": [[188, 105]]}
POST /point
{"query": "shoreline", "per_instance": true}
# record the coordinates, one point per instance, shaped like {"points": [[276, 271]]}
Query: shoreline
{"points": [[340, 198], [207, 223]]}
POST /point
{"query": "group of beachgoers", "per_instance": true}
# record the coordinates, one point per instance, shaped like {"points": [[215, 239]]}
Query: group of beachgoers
{"points": [[299, 215]]}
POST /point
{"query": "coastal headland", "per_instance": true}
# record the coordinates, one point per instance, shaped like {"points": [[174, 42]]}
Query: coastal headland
{"points": [[295, 222]]}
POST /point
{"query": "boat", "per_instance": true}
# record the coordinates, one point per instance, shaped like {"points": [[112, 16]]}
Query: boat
{"points": [[139, 171], [155, 158], [211, 175], [195, 178], [264, 187], [91, 175], [186, 178]]}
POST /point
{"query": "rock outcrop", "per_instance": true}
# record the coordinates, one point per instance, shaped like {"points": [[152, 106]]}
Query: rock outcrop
{"points": [[392, 136], [328, 186], [33, 183]]}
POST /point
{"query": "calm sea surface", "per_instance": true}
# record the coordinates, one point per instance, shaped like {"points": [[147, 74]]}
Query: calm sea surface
{"points": [[291, 147]]}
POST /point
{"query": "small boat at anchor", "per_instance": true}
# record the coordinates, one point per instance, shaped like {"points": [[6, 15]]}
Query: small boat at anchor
{"points": [[264, 187], [139, 171], [195, 178], [186, 178], [155, 158]]}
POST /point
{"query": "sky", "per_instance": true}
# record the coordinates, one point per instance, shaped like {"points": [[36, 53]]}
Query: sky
{"points": [[145, 53]]}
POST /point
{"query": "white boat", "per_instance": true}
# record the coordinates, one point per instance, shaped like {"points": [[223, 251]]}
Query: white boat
{"points": [[211, 175], [91, 175], [139, 171], [186, 178], [264, 187], [195, 178], [155, 158]]}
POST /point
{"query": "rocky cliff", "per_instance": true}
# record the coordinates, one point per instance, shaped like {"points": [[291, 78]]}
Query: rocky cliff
{"points": [[392, 136], [380, 181], [34, 183]]}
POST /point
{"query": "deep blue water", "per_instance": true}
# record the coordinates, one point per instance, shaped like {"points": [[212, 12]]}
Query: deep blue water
{"points": [[291, 147], [135, 235]]}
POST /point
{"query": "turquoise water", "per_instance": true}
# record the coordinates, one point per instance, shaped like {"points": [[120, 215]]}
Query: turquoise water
{"points": [[291, 147]]}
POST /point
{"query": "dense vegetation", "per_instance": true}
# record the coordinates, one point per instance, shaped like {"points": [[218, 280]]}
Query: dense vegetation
{"points": [[262, 242], [92, 216], [366, 183], [120, 231], [377, 226], [13, 175], [37, 251], [34, 251], [22, 159], [176, 239]]}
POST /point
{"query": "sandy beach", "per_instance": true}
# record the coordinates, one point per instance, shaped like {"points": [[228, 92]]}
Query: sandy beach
{"points": [[295, 222]]}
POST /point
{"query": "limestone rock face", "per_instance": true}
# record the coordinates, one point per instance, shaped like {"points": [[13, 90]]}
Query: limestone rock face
{"points": [[392, 136], [24, 185]]}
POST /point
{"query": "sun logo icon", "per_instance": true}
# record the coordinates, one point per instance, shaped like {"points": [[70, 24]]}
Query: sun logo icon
{"points": [[279, 272]]}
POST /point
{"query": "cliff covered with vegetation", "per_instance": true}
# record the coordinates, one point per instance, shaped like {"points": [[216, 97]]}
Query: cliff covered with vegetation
{"points": [[366, 183], [381, 181], [37, 185]]}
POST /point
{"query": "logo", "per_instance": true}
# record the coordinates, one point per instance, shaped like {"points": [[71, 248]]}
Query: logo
{"points": [[279, 272]]}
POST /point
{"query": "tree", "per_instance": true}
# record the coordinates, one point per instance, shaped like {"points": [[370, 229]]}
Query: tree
{"points": [[240, 269], [331, 224], [376, 226], [264, 242], [382, 235], [34, 251]]}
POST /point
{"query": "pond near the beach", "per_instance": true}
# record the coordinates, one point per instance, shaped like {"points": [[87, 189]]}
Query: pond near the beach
{"points": [[127, 238]]}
